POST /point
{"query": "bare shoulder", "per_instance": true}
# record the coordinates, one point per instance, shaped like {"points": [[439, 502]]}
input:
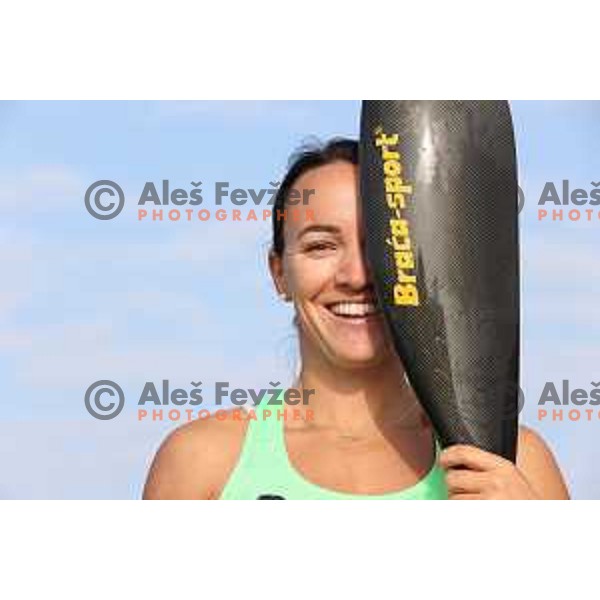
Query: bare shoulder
{"points": [[538, 464], [195, 461]]}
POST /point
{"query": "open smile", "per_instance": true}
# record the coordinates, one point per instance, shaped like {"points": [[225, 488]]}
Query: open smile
{"points": [[353, 311]]}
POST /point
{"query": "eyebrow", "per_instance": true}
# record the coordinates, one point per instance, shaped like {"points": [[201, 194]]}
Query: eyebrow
{"points": [[317, 229]]}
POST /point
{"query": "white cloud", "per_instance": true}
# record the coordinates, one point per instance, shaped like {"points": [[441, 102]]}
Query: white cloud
{"points": [[77, 459], [16, 260], [39, 189], [242, 112], [560, 258]]}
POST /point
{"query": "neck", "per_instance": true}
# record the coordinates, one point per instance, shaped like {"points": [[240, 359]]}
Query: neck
{"points": [[359, 402]]}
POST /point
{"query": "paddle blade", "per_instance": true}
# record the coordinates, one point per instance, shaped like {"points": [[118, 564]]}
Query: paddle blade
{"points": [[439, 200]]}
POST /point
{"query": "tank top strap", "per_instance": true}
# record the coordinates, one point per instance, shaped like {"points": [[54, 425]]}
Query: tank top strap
{"points": [[264, 436], [261, 471]]}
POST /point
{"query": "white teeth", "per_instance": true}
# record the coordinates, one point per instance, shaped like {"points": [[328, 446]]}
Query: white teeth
{"points": [[353, 309]]}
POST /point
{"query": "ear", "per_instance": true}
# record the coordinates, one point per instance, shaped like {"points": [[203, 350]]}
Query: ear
{"points": [[276, 269]]}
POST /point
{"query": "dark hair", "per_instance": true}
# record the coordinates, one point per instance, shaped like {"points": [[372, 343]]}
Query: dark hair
{"points": [[309, 156]]}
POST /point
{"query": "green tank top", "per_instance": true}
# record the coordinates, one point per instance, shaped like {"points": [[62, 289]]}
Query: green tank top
{"points": [[264, 471]]}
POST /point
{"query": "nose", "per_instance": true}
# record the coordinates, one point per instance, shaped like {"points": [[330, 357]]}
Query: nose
{"points": [[353, 272]]}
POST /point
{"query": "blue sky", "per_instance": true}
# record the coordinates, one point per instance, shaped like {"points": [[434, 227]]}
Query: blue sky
{"points": [[83, 300]]}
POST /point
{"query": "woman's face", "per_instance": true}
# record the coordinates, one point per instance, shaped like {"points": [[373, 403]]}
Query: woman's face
{"points": [[323, 271]]}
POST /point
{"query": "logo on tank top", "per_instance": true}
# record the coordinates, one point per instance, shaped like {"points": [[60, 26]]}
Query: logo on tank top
{"points": [[270, 497]]}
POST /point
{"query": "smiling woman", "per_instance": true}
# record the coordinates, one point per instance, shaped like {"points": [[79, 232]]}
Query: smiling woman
{"points": [[367, 435]]}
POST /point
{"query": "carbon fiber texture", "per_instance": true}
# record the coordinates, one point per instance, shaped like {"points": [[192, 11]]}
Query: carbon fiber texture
{"points": [[453, 233]]}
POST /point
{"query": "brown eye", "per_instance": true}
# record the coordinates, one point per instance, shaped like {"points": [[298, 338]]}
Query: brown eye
{"points": [[318, 248]]}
